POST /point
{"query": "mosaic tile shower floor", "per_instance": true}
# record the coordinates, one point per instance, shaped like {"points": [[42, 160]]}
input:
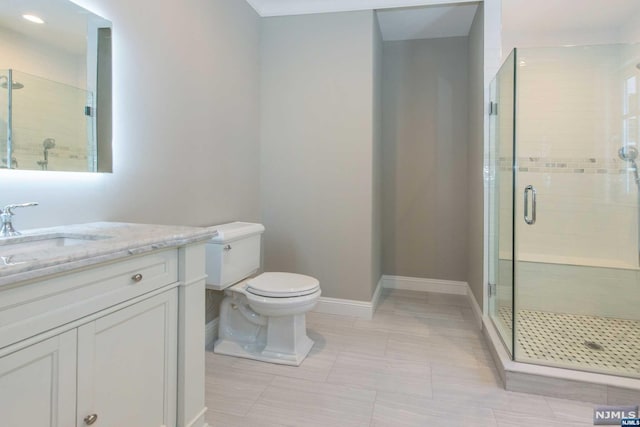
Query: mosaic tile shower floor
{"points": [[596, 344]]}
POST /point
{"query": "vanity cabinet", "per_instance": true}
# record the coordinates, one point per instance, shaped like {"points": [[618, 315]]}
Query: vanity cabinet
{"points": [[107, 345], [127, 365], [38, 384]]}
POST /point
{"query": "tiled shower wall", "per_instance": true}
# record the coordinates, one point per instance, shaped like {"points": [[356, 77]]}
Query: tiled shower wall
{"points": [[572, 117], [573, 289], [569, 128], [586, 213]]}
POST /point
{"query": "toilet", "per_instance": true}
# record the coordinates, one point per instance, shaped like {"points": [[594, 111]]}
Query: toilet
{"points": [[262, 317]]}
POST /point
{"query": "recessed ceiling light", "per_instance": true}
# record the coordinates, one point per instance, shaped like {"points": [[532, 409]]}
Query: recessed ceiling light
{"points": [[33, 18]]}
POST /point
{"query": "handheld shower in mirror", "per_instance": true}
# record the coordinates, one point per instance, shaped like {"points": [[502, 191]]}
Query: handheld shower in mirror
{"points": [[47, 144], [630, 154]]}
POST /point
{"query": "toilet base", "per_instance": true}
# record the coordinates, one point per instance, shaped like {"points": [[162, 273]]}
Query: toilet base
{"points": [[257, 351], [282, 340]]}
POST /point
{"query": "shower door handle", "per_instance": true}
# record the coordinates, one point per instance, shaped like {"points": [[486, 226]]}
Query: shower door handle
{"points": [[530, 219]]}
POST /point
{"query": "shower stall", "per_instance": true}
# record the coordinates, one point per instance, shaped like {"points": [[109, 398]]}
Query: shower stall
{"points": [[44, 124], [564, 194]]}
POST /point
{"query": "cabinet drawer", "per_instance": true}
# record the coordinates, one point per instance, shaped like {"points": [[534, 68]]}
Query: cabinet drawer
{"points": [[31, 308]]}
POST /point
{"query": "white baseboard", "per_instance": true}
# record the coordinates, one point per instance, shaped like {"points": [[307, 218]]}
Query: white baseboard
{"points": [[477, 311], [425, 285], [435, 285], [347, 307], [211, 333], [366, 309], [375, 300], [344, 307], [198, 420]]}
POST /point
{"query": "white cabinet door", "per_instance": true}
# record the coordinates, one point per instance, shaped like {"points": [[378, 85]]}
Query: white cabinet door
{"points": [[127, 365], [38, 384]]}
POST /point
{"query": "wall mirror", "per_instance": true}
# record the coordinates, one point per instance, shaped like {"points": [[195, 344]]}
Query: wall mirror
{"points": [[55, 87]]}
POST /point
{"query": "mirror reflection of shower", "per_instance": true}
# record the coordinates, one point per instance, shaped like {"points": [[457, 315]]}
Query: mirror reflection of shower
{"points": [[14, 163], [47, 144], [630, 154], [10, 84]]}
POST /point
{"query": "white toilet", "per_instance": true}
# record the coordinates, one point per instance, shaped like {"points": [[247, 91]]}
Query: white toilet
{"points": [[261, 317]]}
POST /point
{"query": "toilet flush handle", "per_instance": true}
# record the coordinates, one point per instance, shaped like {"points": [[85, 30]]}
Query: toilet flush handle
{"points": [[227, 247]]}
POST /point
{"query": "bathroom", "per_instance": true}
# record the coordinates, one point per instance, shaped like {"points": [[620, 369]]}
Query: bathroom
{"points": [[193, 144]]}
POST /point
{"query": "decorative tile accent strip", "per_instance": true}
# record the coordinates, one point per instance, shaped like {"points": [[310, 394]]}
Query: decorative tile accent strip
{"points": [[590, 165]]}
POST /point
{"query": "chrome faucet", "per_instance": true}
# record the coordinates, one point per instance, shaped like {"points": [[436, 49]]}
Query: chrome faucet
{"points": [[6, 229]]}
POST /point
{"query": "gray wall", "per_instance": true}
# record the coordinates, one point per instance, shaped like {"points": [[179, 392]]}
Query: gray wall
{"points": [[185, 136], [376, 232], [186, 119], [189, 153], [425, 97], [317, 149], [475, 211]]}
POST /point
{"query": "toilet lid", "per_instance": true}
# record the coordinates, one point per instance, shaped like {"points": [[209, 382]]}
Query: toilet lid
{"points": [[282, 285]]}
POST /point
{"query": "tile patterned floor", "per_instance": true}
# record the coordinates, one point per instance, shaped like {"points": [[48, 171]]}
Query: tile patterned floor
{"points": [[563, 340], [420, 362]]}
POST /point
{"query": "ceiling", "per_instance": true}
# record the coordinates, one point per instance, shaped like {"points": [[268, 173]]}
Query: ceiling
{"points": [[399, 19], [302, 7], [449, 18], [427, 22], [567, 15], [65, 27]]}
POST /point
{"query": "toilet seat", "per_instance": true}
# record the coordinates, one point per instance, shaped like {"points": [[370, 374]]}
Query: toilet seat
{"points": [[282, 285]]}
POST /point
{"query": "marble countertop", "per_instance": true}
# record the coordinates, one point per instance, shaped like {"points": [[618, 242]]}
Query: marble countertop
{"points": [[101, 242]]}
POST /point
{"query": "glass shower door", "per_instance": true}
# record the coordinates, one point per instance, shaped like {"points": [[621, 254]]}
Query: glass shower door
{"points": [[4, 119], [576, 265], [501, 201]]}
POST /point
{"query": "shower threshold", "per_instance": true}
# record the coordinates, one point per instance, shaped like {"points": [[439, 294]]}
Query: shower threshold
{"points": [[561, 380]]}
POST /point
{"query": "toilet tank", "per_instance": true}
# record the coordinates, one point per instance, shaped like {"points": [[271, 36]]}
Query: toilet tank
{"points": [[234, 254]]}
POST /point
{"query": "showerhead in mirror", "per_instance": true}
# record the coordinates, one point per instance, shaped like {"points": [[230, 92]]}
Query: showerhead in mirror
{"points": [[629, 154], [14, 85]]}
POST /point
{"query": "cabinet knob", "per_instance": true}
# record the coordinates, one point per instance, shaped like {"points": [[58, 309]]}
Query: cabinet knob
{"points": [[136, 277], [90, 419]]}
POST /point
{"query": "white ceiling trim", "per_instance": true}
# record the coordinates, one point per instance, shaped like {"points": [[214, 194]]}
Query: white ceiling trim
{"points": [[426, 22], [299, 7]]}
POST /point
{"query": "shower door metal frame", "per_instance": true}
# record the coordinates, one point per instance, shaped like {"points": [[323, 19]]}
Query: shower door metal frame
{"points": [[9, 118], [514, 176], [508, 69]]}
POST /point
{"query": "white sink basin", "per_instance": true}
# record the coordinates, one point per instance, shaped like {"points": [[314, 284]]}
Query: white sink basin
{"points": [[21, 249]]}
